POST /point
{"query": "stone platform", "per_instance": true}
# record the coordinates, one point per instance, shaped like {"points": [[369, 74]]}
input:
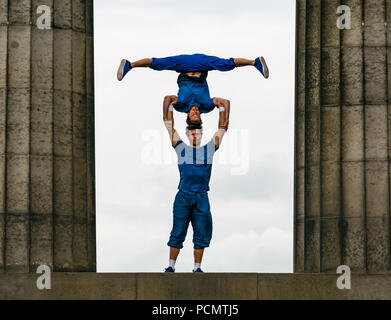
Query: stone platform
{"points": [[188, 286]]}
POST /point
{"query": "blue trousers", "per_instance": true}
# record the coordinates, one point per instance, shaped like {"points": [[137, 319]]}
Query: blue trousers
{"points": [[192, 63], [193, 91], [191, 207]]}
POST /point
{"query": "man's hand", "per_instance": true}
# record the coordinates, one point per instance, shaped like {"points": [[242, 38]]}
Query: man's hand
{"points": [[168, 101]]}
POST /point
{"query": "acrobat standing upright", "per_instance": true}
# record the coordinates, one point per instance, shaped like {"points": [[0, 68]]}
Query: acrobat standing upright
{"points": [[191, 202]]}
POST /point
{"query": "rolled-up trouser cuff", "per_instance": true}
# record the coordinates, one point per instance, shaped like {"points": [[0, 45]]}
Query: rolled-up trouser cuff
{"points": [[200, 247], [175, 244]]}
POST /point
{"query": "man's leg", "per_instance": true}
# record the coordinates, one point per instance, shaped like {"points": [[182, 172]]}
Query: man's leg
{"points": [[169, 62], [241, 62], [181, 219], [174, 252], [198, 253], [158, 64], [202, 228], [258, 63], [125, 66], [216, 63], [173, 256], [146, 62], [143, 63], [192, 63], [180, 63]]}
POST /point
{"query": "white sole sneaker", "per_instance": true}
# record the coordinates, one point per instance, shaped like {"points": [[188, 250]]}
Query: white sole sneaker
{"points": [[265, 67], [120, 72]]}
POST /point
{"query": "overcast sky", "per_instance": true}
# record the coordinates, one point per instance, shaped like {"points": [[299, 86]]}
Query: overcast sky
{"points": [[137, 176]]}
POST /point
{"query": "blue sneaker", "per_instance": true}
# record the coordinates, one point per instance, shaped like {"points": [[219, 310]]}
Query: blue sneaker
{"points": [[261, 65], [169, 269], [123, 69], [198, 270]]}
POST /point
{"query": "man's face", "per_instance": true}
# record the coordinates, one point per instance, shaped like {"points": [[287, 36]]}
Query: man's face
{"points": [[194, 113], [195, 137]]}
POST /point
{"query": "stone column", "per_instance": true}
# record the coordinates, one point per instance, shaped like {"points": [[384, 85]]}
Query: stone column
{"points": [[47, 174], [342, 137]]}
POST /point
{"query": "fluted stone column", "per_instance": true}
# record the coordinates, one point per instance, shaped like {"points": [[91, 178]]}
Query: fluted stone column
{"points": [[47, 183], [342, 137]]}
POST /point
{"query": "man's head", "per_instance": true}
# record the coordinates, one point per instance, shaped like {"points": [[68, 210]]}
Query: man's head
{"points": [[195, 136], [193, 116], [194, 126]]}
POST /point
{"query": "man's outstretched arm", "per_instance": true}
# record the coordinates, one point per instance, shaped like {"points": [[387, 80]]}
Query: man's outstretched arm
{"points": [[168, 118], [224, 109]]}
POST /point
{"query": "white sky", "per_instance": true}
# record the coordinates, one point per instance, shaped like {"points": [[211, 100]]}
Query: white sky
{"points": [[136, 174]]}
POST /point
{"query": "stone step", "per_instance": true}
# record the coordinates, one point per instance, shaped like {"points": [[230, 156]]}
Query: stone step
{"points": [[189, 286]]}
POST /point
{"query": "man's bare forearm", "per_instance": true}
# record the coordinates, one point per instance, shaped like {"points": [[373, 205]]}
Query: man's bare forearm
{"points": [[168, 118], [224, 110], [228, 109], [223, 127], [224, 115], [223, 124]]}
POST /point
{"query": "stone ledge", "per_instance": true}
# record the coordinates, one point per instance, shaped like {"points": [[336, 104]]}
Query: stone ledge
{"points": [[188, 286]]}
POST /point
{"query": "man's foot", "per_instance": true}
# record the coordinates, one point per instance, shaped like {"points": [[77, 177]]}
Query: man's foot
{"points": [[261, 65], [123, 69], [169, 269], [198, 270]]}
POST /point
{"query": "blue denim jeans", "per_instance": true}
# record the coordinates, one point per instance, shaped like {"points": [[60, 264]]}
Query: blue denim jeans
{"points": [[192, 93], [192, 63], [191, 207]]}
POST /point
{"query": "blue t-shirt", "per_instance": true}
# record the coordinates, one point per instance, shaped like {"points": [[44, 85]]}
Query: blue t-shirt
{"points": [[195, 166]]}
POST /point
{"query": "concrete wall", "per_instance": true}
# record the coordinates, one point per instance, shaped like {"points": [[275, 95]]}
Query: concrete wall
{"points": [[47, 174], [187, 286], [342, 137]]}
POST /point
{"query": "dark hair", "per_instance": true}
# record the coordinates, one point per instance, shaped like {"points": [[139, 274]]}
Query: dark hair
{"points": [[193, 124]]}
